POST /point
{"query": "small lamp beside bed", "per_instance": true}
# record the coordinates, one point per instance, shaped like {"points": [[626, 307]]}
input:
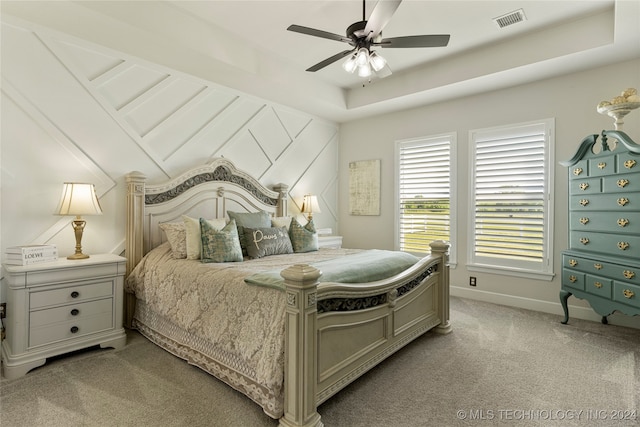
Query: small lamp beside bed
{"points": [[79, 199], [310, 205]]}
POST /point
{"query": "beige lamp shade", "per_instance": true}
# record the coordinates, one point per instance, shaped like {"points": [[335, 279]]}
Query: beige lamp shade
{"points": [[79, 199], [310, 205]]}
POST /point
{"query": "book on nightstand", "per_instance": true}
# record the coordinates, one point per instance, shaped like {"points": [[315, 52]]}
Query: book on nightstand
{"points": [[30, 254]]}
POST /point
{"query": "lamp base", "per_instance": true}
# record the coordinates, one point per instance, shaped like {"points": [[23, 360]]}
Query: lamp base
{"points": [[78, 256]]}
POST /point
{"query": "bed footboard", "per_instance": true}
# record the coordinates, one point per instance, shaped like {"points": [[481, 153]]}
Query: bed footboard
{"points": [[337, 332]]}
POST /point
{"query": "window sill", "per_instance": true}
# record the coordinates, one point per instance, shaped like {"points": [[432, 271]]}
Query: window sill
{"points": [[527, 274]]}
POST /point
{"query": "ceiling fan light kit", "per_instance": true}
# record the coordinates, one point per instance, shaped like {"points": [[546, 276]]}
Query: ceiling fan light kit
{"points": [[363, 35]]}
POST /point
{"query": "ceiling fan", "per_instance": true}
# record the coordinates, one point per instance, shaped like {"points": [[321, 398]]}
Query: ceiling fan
{"points": [[365, 35]]}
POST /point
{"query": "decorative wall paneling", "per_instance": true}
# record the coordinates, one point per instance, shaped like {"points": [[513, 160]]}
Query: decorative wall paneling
{"points": [[72, 110]]}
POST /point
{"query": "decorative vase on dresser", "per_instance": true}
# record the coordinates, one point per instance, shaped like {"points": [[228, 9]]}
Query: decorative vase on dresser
{"points": [[602, 264], [61, 306]]}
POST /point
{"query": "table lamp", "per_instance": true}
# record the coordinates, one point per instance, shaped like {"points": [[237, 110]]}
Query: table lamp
{"points": [[79, 199]]}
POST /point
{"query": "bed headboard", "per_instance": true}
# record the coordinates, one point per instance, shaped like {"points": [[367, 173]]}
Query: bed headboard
{"points": [[206, 191]]}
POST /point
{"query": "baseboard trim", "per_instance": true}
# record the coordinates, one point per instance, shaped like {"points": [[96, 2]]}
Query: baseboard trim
{"points": [[575, 312]]}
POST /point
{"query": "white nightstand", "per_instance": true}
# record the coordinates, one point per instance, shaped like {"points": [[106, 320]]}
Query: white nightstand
{"points": [[333, 242], [61, 306]]}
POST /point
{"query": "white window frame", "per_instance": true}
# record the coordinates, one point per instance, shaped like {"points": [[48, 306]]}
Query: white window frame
{"points": [[497, 265], [451, 138]]}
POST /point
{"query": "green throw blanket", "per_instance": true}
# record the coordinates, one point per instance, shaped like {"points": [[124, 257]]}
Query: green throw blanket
{"points": [[363, 267]]}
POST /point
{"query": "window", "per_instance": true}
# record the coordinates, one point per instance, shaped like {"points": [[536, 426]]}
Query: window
{"points": [[512, 177], [425, 193]]}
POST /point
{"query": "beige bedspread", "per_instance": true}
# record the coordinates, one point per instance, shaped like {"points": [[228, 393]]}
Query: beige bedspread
{"points": [[206, 314]]}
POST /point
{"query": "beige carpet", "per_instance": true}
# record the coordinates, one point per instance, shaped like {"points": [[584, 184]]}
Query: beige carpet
{"points": [[499, 366]]}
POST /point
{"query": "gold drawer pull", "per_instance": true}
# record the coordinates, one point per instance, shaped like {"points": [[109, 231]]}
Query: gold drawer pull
{"points": [[628, 293], [583, 221], [623, 201], [629, 164], [577, 171], [628, 274], [584, 186], [623, 246], [584, 240], [573, 279], [573, 262], [602, 165], [584, 202], [623, 183], [597, 266], [622, 222], [597, 285]]}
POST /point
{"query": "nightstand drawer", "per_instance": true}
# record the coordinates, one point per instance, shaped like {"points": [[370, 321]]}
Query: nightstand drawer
{"points": [[100, 320], [71, 312], [69, 294]]}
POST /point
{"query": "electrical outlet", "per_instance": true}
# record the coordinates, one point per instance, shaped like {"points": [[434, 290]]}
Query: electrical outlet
{"points": [[3, 310], [472, 281]]}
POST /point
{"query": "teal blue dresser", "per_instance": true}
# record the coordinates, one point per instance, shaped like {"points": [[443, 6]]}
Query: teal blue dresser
{"points": [[602, 264]]}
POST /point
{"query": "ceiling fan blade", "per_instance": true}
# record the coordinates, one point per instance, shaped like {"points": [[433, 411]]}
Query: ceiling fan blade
{"points": [[318, 33], [380, 17], [330, 60], [434, 40]]}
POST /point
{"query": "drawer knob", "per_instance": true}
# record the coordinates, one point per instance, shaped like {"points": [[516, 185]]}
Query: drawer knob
{"points": [[623, 183], [623, 222], [577, 171], [584, 240], [584, 221], [628, 274], [597, 266], [75, 312], [74, 329], [584, 202], [584, 186], [629, 163], [597, 285], [602, 165], [573, 279], [573, 262], [75, 294], [628, 293], [623, 246], [623, 201]]}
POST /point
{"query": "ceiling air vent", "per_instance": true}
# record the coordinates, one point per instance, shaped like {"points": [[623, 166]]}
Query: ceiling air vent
{"points": [[510, 18]]}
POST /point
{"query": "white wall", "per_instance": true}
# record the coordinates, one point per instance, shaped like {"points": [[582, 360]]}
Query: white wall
{"points": [[77, 111], [570, 99]]}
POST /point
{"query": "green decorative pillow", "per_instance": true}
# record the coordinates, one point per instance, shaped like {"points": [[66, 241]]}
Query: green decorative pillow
{"points": [[220, 245], [262, 242], [259, 219], [281, 221], [194, 239], [303, 239]]}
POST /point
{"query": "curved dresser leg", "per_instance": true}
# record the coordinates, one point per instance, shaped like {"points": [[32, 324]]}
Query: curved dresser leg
{"points": [[564, 296], [604, 320]]}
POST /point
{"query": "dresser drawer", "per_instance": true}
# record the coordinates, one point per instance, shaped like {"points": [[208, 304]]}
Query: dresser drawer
{"points": [[628, 222], [573, 279], [604, 165], [628, 162], [585, 186], [626, 293], [43, 332], [622, 183], [602, 268], [77, 293], [624, 245], [597, 285], [605, 202]]}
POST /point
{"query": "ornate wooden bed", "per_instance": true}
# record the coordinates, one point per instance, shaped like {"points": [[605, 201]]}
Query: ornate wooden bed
{"points": [[333, 332]]}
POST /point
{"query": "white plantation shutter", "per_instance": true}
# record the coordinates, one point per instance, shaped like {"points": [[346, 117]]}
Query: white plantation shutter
{"points": [[424, 192], [511, 181]]}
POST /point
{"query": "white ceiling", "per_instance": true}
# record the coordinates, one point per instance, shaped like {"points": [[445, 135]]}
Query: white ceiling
{"points": [[245, 45]]}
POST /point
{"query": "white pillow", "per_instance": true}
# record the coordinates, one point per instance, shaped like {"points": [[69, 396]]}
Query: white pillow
{"points": [[194, 238]]}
